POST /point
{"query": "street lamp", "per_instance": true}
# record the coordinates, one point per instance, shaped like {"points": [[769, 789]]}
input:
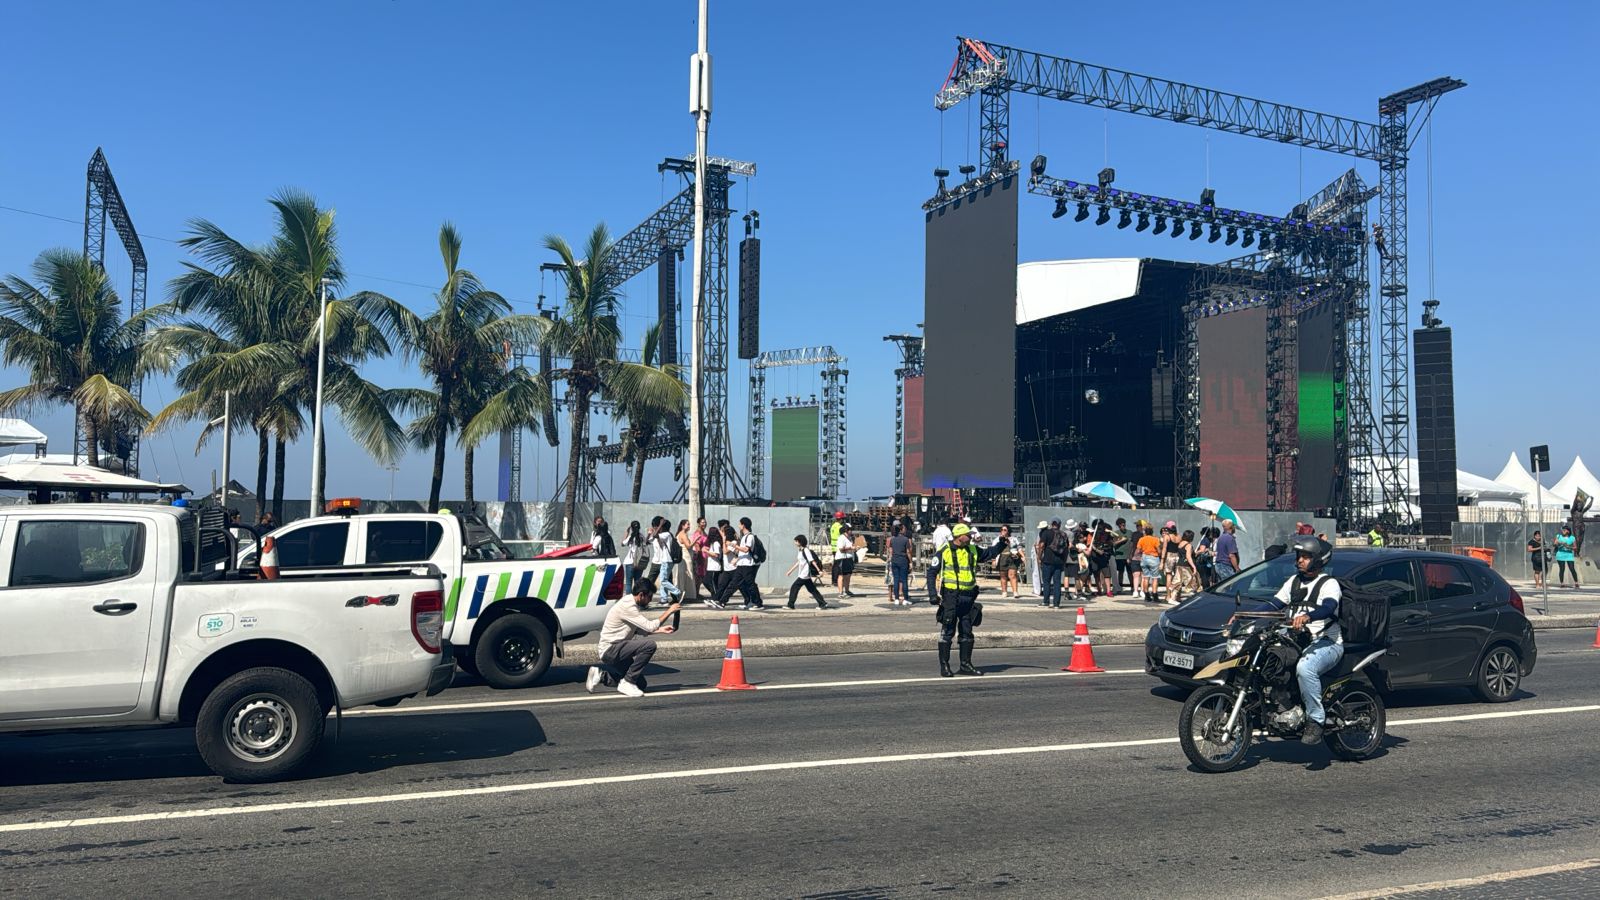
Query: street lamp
{"points": [[316, 414]]}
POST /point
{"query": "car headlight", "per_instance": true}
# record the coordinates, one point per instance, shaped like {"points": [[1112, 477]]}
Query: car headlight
{"points": [[1235, 645], [1161, 620]]}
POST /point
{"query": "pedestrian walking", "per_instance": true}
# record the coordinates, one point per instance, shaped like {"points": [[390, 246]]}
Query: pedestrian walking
{"points": [[1183, 578], [661, 547], [1034, 567], [959, 610], [1536, 554], [1226, 550], [1121, 543], [740, 561], [844, 552], [1149, 551], [716, 568], [1567, 556], [807, 567], [1009, 562], [697, 554], [600, 542], [683, 558], [900, 567], [1053, 547], [625, 647], [635, 557]]}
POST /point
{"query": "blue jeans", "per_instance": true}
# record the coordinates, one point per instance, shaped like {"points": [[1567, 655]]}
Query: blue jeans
{"points": [[664, 582], [1050, 574], [1225, 571], [1318, 658], [900, 578]]}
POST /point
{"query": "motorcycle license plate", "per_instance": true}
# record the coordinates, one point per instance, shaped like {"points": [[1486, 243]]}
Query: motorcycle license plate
{"points": [[1177, 660]]}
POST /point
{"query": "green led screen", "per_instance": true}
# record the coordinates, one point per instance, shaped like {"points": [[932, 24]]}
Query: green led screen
{"points": [[796, 452], [1317, 419]]}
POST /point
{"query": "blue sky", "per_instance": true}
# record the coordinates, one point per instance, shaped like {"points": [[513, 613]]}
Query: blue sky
{"points": [[515, 120]]}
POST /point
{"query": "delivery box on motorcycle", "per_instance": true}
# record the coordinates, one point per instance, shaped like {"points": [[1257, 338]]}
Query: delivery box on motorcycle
{"points": [[1363, 614]]}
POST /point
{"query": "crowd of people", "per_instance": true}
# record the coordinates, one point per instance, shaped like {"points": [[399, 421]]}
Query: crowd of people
{"points": [[1074, 561]]}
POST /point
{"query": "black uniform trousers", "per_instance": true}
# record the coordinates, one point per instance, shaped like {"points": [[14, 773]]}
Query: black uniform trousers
{"points": [[955, 617]]}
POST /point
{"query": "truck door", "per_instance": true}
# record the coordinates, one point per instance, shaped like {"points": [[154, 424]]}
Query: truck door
{"points": [[76, 615]]}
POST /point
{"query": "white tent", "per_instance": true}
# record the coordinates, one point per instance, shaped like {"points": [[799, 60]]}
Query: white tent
{"points": [[1516, 476], [16, 431], [1475, 487], [33, 474], [1578, 476], [49, 459]]}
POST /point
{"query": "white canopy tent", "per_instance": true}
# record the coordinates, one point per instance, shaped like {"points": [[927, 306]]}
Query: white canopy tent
{"points": [[35, 475], [1516, 476], [16, 431], [1578, 477]]}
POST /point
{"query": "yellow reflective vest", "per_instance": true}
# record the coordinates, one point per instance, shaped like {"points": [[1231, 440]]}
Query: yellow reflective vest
{"points": [[959, 567]]}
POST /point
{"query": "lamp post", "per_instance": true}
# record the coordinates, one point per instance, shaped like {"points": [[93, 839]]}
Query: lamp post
{"points": [[700, 107], [316, 414]]}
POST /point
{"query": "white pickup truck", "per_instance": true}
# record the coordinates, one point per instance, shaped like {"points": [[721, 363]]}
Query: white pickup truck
{"points": [[114, 615], [505, 618]]}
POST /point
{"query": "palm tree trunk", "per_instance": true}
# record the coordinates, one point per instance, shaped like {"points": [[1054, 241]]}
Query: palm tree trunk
{"points": [[91, 433], [441, 434], [279, 463], [580, 422], [263, 451], [469, 453], [638, 472]]}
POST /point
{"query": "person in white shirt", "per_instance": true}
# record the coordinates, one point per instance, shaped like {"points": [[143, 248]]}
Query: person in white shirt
{"points": [[625, 645], [600, 542], [845, 552], [716, 574], [806, 568], [1311, 597], [661, 541], [743, 576]]}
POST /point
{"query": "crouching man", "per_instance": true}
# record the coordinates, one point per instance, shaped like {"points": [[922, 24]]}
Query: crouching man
{"points": [[625, 642]]}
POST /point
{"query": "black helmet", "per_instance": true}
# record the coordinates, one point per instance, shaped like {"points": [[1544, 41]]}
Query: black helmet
{"points": [[1319, 550]]}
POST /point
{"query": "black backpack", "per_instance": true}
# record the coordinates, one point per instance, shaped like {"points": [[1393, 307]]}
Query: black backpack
{"points": [[758, 551], [1060, 545], [1363, 614], [677, 551]]}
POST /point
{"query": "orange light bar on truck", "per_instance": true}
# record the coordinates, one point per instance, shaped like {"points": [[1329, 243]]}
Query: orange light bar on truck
{"points": [[344, 506]]}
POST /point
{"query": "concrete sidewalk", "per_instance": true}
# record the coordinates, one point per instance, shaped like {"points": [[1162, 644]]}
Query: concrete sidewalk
{"points": [[868, 624]]}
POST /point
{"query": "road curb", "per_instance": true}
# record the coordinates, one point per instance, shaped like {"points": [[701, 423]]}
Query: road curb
{"points": [[827, 645]]}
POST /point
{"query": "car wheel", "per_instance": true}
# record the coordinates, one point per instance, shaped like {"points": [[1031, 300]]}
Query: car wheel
{"points": [[514, 651], [259, 725], [1499, 675]]}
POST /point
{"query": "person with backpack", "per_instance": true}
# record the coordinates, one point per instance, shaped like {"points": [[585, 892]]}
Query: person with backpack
{"points": [[1053, 547], [1312, 600], [807, 566], [744, 564], [661, 546], [844, 552]]}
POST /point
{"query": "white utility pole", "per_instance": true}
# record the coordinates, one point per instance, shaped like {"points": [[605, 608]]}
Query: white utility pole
{"points": [[316, 414], [700, 108], [227, 443]]}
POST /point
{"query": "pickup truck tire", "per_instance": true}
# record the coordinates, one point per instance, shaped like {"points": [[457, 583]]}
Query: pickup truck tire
{"points": [[514, 651], [259, 725]]}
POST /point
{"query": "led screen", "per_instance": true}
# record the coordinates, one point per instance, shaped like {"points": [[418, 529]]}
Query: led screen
{"points": [[1317, 390], [912, 437], [796, 452], [1233, 408]]}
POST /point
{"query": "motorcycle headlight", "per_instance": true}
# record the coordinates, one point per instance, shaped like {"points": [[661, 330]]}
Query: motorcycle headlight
{"points": [[1235, 645]]}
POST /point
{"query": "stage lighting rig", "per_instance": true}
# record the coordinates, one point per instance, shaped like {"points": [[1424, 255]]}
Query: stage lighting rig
{"points": [[1061, 208], [1194, 230], [1144, 221], [1208, 200], [1103, 217], [1233, 236], [1037, 167], [1107, 175], [1124, 219], [1177, 230], [942, 174], [1082, 213], [1215, 234], [1249, 238], [1161, 225], [967, 170], [1430, 317]]}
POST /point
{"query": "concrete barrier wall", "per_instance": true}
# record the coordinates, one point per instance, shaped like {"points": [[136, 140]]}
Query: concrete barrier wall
{"points": [[1261, 529]]}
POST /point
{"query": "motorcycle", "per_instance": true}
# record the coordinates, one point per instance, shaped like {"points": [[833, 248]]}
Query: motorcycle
{"points": [[1254, 689]]}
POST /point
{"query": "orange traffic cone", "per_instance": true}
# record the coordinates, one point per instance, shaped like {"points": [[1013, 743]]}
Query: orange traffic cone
{"points": [[1597, 637], [733, 663], [1082, 650], [269, 558]]}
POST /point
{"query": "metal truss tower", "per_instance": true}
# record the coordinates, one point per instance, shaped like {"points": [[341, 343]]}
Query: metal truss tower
{"points": [[910, 367], [102, 200], [993, 71], [834, 461]]}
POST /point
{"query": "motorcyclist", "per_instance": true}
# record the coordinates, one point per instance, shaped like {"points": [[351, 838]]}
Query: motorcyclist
{"points": [[1312, 598]]}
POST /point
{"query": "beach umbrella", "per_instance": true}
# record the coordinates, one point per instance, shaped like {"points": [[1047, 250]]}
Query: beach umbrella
{"points": [[1216, 508], [1105, 490]]}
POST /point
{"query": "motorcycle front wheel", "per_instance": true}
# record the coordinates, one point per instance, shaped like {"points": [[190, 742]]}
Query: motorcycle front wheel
{"points": [[1201, 730], [1359, 711]]}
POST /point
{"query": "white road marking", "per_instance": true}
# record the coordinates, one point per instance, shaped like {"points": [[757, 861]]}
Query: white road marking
{"points": [[689, 692], [1494, 878], [676, 775]]}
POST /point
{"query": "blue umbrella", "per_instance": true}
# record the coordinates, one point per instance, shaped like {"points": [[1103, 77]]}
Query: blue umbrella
{"points": [[1105, 490], [1216, 508]]}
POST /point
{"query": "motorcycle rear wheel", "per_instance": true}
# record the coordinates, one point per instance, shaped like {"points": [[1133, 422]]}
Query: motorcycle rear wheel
{"points": [[1200, 725], [1357, 703]]}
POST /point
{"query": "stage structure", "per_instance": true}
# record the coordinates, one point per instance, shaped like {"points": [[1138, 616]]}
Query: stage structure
{"points": [[993, 71], [102, 200], [908, 393], [659, 241], [834, 459]]}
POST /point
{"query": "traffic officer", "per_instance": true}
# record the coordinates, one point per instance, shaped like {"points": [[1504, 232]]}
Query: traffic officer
{"points": [[958, 582]]}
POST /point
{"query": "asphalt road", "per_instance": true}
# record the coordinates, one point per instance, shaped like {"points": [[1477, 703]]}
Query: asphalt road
{"points": [[842, 777]]}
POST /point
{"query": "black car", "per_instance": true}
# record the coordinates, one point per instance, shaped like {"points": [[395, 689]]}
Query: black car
{"points": [[1453, 621]]}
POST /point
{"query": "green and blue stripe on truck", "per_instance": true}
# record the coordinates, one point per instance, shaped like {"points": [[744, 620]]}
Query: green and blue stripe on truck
{"points": [[554, 587]]}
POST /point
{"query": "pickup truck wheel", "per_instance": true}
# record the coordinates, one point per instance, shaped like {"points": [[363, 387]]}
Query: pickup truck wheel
{"points": [[467, 663], [514, 651], [259, 725]]}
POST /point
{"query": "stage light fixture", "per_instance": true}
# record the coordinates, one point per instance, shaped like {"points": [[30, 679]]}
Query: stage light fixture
{"points": [[1092, 396], [1177, 230], [1037, 167], [942, 174], [1124, 219], [1215, 234], [1144, 222], [1082, 213], [1194, 230], [1233, 235], [1161, 225], [1249, 238], [1061, 208], [967, 169], [1103, 217], [1266, 242]]}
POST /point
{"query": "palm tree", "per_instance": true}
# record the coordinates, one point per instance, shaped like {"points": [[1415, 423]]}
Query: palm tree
{"points": [[283, 280], [462, 347], [67, 329], [586, 337], [645, 414]]}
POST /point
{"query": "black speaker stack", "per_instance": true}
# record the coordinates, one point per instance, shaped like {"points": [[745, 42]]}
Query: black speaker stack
{"points": [[1436, 428]]}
